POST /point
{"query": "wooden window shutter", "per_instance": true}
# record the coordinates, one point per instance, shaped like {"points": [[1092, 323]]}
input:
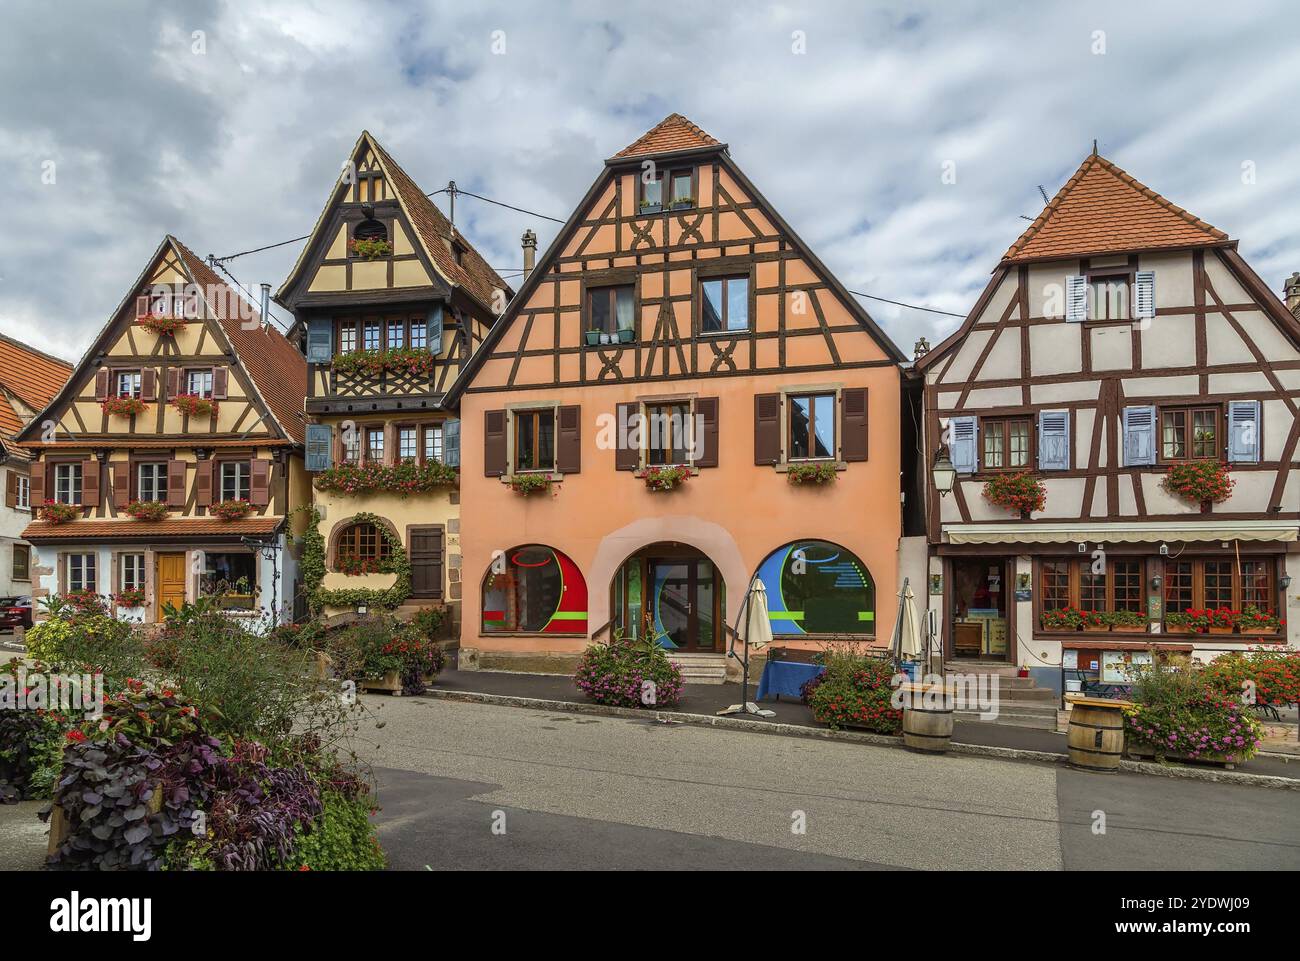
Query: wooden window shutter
{"points": [[320, 340], [494, 443], [319, 452], [706, 418], [203, 483], [90, 483], [36, 493], [451, 442], [121, 483], [142, 308], [1144, 294], [1139, 436], [259, 482], [853, 424], [220, 382], [101, 384], [963, 447], [1054, 440], [767, 428], [433, 331], [176, 482], [627, 456], [390, 443], [11, 489], [149, 385], [1076, 298], [568, 442], [1243, 431], [173, 382]]}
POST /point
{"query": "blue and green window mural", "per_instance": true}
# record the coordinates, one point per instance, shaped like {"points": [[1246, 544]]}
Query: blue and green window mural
{"points": [[816, 587]]}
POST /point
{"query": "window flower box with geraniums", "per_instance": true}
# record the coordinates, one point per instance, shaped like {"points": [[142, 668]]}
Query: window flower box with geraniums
{"points": [[1126, 622], [85, 602], [664, 478], [123, 406], [146, 510], [57, 513], [402, 479], [1021, 492], [162, 325], [1222, 620], [823, 473], [1190, 621], [1063, 619], [373, 249], [1094, 621], [527, 484], [231, 510], [1203, 482], [131, 598], [358, 566], [371, 363], [194, 405], [1256, 620]]}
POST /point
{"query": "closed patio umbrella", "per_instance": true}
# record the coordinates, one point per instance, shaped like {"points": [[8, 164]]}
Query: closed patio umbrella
{"points": [[757, 634], [910, 628]]}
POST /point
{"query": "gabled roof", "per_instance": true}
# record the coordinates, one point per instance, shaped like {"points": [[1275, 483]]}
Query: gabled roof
{"points": [[31, 376], [1101, 209], [672, 134]]}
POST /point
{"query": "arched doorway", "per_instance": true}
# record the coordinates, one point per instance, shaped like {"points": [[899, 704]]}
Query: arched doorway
{"points": [[675, 593]]}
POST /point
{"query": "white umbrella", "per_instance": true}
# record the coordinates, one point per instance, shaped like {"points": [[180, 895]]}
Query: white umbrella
{"points": [[910, 628], [758, 625]]}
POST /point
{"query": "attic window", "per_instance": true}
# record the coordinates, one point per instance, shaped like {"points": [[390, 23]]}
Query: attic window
{"points": [[370, 230]]}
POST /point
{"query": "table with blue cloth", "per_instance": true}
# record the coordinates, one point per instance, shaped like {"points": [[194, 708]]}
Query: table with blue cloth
{"points": [[785, 677]]}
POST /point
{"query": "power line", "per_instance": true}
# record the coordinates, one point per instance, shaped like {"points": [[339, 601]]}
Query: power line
{"points": [[899, 303], [251, 299], [531, 213]]}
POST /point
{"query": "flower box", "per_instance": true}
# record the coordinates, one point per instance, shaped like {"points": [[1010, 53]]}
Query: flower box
{"points": [[592, 337], [194, 405], [1129, 628], [162, 325], [1204, 482], [526, 484], [231, 510], [390, 682], [375, 249], [123, 406], [146, 510], [665, 478], [1021, 492], [1095, 628], [57, 513], [824, 473], [411, 361], [133, 598], [649, 208], [401, 479], [626, 335], [1212, 629]]}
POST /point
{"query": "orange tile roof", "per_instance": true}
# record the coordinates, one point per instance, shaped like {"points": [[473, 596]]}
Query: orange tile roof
{"points": [[672, 133], [88, 530], [1101, 209], [31, 376]]}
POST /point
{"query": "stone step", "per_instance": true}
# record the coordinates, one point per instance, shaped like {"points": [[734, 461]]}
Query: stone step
{"points": [[701, 668]]}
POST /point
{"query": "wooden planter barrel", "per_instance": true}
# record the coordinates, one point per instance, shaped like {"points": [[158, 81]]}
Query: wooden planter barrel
{"points": [[927, 727], [1096, 738]]}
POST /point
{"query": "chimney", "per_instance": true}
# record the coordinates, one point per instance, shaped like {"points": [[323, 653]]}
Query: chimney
{"points": [[1291, 293], [266, 306], [529, 241], [920, 350]]}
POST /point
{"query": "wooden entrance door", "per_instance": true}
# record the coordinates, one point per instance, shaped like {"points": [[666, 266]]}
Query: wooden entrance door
{"points": [[425, 555], [686, 602], [169, 580]]}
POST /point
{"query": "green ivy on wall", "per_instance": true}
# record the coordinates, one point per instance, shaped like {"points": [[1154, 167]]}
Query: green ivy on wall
{"points": [[313, 568]]}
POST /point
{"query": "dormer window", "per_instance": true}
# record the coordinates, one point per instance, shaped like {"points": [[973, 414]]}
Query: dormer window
{"points": [[678, 183], [370, 240], [370, 230]]}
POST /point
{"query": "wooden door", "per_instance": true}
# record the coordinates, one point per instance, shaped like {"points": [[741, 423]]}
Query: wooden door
{"points": [[425, 555], [170, 581]]}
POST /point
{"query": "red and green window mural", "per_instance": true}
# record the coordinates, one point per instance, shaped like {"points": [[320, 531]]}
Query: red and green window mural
{"points": [[534, 590], [816, 587]]}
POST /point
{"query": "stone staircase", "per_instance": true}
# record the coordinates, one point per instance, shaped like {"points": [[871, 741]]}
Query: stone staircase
{"points": [[1020, 702], [701, 668]]}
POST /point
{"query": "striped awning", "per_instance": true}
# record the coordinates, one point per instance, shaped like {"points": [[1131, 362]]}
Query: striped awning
{"points": [[1131, 533]]}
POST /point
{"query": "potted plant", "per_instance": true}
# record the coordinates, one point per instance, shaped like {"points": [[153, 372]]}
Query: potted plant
{"points": [[1204, 482], [1023, 671], [593, 337], [819, 473], [650, 207], [665, 478], [682, 202], [626, 335], [1189, 621], [1062, 619], [1256, 620], [146, 510], [194, 405], [163, 326], [1127, 622], [1222, 620], [57, 513], [1020, 492], [370, 249], [530, 483], [231, 510], [123, 406]]}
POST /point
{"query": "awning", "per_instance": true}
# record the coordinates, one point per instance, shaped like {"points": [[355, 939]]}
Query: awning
{"points": [[1130, 533]]}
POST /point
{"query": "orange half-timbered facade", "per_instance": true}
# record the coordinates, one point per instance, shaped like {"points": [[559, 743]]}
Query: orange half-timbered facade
{"points": [[680, 399]]}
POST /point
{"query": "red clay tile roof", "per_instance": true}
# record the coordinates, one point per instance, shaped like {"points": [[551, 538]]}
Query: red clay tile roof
{"points": [[674, 132], [1102, 209], [31, 376], [87, 530], [278, 369]]}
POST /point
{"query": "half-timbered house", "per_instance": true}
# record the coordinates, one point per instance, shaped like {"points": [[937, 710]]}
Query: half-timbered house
{"points": [[389, 300], [1121, 347], [677, 333], [167, 466]]}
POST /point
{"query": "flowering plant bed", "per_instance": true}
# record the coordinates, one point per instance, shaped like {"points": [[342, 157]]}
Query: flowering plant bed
{"points": [[1063, 619], [400, 479], [231, 510], [1200, 482], [161, 325], [1016, 492], [131, 598], [1177, 713], [123, 406], [146, 510], [402, 360], [370, 249], [194, 405], [1262, 677], [628, 673], [811, 474], [525, 484], [665, 478], [57, 513]]}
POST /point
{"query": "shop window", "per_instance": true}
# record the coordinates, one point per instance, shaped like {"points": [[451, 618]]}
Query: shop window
{"points": [[534, 590], [1116, 586], [816, 587], [1213, 583], [231, 577]]}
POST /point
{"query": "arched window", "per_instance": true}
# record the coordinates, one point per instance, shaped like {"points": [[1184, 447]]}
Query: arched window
{"points": [[360, 548], [816, 587], [370, 230], [534, 590]]}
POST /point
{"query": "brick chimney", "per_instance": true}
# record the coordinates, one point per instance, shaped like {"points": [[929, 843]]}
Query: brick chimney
{"points": [[1291, 293], [529, 241]]}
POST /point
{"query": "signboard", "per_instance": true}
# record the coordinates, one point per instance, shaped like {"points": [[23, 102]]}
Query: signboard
{"points": [[1117, 666], [1070, 660]]}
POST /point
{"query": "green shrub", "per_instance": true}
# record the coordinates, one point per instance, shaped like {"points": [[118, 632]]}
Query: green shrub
{"points": [[618, 673], [1177, 710], [46, 640], [341, 839], [855, 691]]}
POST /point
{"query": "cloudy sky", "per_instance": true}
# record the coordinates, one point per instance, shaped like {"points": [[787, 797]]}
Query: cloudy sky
{"points": [[845, 114]]}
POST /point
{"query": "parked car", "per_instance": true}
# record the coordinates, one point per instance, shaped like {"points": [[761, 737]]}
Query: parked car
{"points": [[15, 611]]}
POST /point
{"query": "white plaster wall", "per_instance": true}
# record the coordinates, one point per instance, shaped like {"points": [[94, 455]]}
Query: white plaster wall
{"points": [[1056, 349], [1112, 348], [1169, 341]]}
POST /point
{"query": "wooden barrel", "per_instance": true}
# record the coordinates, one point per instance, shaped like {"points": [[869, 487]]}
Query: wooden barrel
{"points": [[928, 728], [1096, 735]]}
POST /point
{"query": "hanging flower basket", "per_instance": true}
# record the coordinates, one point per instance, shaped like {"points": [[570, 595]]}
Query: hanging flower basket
{"points": [[56, 513], [370, 249], [526, 484], [147, 510], [665, 478], [194, 405], [812, 474], [1203, 482], [231, 510], [1021, 492], [132, 598], [162, 326], [123, 406]]}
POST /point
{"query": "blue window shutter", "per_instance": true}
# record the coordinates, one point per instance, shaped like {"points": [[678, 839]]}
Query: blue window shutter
{"points": [[320, 447], [1076, 298], [1139, 436], [1243, 431], [320, 340], [1054, 440], [964, 447], [451, 442], [1144, 294], [435, 330]]}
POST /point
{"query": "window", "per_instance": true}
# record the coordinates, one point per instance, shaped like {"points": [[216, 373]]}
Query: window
{"points": [[816, 587], [609, 309], [812, 426], [231, 577], [535, 440], [683, 182], [1108, 296], [130, 572], [347, 337], [375, 445], [128, 383], [151, 482], [23, 491], [419, 335], [351, 438], [652, 190], [396, 334], [724, 304], [1007, 444], [1118, 586], [433, 443], [1189, 433], [370, 230], [668, 434], [234, 481], [406, 445], [370, 335], [361, 542], [198, 383], [22, 565], [1198, 584], [81, 572], [67, 483], [534, 590]]}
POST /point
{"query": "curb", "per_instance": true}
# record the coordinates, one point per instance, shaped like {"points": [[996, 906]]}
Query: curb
{"points": [[853, 737]]}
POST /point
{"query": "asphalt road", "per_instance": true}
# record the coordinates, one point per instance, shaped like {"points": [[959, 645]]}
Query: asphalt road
{"points": [[476, 786]]}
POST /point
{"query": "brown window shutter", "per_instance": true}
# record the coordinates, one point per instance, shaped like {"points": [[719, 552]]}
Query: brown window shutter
{"points": [[336, 441], [220, 382], [767, 428], [176, 483], [627, 457], [36, 494], [259, 482], [121, 483], [149, 384], [853, 424], [494, 443], [203, 483], [706, 418], [390, 444], [142, 306], [173, 382], [568, 440], [11, 489], [90, 484], [101, 384]]}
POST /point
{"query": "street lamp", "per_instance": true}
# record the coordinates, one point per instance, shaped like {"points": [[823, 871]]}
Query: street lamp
{"points": [[943, 473]]}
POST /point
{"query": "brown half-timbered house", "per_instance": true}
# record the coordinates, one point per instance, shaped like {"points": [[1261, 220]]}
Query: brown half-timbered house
{"points": [[1120, 338], [191, 402]]}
